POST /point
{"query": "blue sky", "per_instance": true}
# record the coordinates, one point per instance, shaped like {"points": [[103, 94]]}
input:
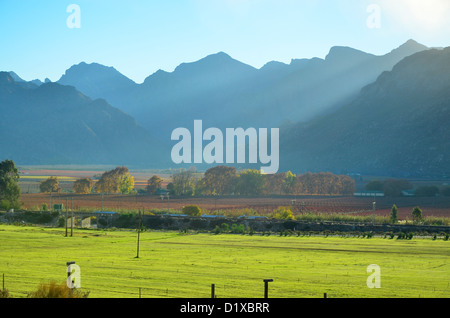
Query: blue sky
{"points": [[140, 37]]}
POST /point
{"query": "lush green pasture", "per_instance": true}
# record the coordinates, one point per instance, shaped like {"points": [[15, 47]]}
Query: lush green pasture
{"points": [[172, 264]]}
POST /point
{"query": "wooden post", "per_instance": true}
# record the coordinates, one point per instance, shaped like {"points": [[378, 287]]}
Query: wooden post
{"points": [[66, 220], [266, 287], [213, 291], [139, 231], [71, 224]]}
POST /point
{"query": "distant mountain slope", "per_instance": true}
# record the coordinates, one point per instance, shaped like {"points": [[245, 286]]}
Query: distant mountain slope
{"points": [[398, 125], [55, 124], [224, 92]]}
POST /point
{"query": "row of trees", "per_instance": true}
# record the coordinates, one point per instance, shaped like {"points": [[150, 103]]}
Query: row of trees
{"points": [[223, 180], [117, 180], [416, 214], [395, 188]]}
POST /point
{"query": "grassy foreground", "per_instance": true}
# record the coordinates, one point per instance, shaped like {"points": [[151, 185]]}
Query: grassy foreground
{"points": [[176, 265]]}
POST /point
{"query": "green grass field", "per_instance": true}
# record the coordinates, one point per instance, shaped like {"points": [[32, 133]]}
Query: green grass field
{"points": [[176, 265]]}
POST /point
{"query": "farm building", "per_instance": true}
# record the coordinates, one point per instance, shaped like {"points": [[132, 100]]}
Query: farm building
{"points": [[369, 194]]}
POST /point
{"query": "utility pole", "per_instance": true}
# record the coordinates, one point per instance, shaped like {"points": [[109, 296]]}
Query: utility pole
{"points": [[71, 223], [66, 220], [374, 211]]}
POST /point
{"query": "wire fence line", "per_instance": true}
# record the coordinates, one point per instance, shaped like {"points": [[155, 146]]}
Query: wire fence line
{"points": [[21, 286]]}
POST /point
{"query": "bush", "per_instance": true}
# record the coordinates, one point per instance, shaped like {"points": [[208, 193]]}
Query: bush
{"points": [[4, 293], [225, 227], [283, 213], [192, 210], [53, 290], [238, 229]]}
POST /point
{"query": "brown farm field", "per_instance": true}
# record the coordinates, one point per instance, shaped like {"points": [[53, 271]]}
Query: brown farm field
{"points": [[262, 205], [437, 207]]}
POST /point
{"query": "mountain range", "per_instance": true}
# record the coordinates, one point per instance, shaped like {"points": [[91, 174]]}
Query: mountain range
{"points": [[56, 124], [224, 92], [396, 126], [349, 112]]}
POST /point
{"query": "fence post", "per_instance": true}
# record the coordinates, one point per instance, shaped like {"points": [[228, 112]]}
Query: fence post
{"points": [[213, 291], [266, 287]]}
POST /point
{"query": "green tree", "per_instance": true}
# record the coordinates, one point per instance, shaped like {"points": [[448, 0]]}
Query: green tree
{"points": [[416, 214], [250, 182], [83, 186], [153, 184], [427, 191], [126, 183], [9, 187], [375, 185], [219, 180], [394, 187], [394, 214], [50, 185]]}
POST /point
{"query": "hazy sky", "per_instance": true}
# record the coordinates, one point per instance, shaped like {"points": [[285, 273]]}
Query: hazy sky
{"points": [[138, 37]]}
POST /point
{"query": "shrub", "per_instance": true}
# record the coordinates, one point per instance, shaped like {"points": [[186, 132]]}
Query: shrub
{"points": [[61, 222], [192, 210], [238, 229], [283, 213], [53, 290], [4, 293], [225, 227]]}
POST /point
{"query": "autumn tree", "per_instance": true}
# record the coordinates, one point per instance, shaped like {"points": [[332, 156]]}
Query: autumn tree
{"points": [[126, 183], [289, 183], [9, 188], [83, 186], [153, 184], [183, 183], [50, 185], [274, 183], [115, 181]]}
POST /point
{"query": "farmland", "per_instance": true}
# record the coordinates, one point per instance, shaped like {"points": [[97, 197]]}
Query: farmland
{"points": [[176, 265], [261, 205]]}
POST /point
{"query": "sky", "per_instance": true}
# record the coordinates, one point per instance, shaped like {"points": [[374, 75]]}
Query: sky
{"points": [[42, 39]]}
